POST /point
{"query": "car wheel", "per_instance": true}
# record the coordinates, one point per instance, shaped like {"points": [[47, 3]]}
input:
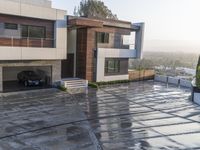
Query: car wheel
{"points": [[25, 83], [19, 81]]}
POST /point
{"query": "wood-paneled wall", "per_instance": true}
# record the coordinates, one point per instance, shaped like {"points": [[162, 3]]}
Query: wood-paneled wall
{"points": [[86, 44]]}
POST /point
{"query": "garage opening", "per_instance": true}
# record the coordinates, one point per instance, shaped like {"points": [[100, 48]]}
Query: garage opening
{"points": [[12, 83]]}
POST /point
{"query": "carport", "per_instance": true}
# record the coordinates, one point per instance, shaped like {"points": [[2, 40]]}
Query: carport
{"points": [[10, 81]]}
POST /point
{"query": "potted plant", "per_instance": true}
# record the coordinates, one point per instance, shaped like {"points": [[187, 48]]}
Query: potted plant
{"points": [[196, 85]]}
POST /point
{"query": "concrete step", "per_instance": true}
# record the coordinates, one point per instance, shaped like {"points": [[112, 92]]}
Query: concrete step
{"points": [[74, 83]]}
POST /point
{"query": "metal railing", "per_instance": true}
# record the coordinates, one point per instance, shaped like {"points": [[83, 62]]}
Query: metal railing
{"points": [[16, 41]]}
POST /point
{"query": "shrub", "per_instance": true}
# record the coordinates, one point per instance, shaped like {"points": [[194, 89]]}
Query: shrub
{"points": [[93, 85], [113, 82], [62, 88]]}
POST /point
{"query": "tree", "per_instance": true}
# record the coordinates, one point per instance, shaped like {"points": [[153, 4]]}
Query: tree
{"points": [[198, 74], [94, 8]]}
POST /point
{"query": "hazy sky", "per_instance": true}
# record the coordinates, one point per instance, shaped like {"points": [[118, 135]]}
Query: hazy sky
{"points": [[170, 24]]}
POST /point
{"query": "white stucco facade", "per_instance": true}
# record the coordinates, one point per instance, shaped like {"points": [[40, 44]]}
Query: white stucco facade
{"points": [[102, 54]]}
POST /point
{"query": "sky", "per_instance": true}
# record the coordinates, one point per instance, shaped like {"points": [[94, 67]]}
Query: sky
{"points": [[170, 25]]}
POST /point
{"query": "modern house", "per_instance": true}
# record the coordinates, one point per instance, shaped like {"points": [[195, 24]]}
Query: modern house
{"points": [[100, 49], [33, 36], [36, 37]]}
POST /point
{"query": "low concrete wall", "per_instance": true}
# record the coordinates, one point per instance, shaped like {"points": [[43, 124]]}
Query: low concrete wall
{"points": [[185, 83], [141, 75], [197, 98], [173, 80], [161, 78]]}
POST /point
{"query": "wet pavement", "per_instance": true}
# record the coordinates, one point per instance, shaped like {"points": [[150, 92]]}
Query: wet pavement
{"points": [[43, 120], [135, 116], [143, 116]]}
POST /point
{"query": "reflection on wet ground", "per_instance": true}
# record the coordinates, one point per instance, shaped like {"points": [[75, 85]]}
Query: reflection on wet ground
{"points": [[43, 120], [142, 116], [135, 116]]}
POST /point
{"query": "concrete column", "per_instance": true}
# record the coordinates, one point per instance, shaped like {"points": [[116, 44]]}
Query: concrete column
{"points": [[56, 71], [139, 39], [1, 79]]}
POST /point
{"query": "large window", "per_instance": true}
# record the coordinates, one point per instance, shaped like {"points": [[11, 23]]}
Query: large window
{"points": [[33, 31], [112, 66], [102, 37], [11, 26]]}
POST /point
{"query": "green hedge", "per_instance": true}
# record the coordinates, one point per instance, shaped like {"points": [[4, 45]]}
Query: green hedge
{"points": [[62, 88], [113, 82], [98, 84], [93, 85]]}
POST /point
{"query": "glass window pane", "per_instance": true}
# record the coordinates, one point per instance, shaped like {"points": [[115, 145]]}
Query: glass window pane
{"points": [[24, 31], [36, 32], [11, 26], [112, 66], [106, 38], [102, 37]]}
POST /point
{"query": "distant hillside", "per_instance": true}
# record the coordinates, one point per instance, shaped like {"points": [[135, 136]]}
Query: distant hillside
{"points": [[180, 59]]}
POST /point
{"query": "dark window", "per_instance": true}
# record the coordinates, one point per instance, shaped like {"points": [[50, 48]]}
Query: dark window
{"points": [[24, 31], [112, 66], [33, 31], [102, 37], [11, 26]]}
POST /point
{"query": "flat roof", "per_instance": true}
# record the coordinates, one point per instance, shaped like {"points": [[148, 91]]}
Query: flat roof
{"points": [[96, 22]]}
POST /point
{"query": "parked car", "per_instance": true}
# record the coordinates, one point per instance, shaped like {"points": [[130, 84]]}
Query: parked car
{"points": [[29, 78]]}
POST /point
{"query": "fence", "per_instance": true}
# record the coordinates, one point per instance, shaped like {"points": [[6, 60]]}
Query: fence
{"points": [[141, 74]]}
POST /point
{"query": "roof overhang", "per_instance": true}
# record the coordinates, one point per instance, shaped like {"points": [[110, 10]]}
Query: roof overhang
{"points": [[84, 22]]}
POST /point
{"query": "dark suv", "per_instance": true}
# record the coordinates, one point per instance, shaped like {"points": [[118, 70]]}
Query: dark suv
{"points": [[29, 78]]}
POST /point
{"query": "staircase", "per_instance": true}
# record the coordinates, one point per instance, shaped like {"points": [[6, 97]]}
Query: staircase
{"points": [[74, 83]]}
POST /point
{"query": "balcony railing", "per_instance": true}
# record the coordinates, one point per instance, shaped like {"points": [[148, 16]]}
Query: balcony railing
{"points": [[27, 42], [119, 42]]}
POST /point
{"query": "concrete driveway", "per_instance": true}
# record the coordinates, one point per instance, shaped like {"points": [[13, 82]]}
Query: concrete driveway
{"points": [[43, 120], [135, 116], [143, 116]]}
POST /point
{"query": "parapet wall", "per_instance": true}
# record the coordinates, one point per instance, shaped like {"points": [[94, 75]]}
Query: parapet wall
{"points": [[42, 3], [173, 80]]}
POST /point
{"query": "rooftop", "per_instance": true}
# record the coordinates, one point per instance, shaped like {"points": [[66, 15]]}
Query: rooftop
{"points": [[43, 3], [97, 22]]}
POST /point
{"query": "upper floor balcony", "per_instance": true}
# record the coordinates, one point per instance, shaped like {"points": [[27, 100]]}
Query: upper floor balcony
{"points": [[26, 32], [23, 38], [32, 31], [116, 40], [116, 45]]}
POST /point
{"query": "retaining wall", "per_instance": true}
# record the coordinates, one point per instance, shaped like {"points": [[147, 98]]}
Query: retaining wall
{"points": [[173, 80]]}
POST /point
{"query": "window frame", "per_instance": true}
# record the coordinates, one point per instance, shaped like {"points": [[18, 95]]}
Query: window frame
{"points": [[6, 26], [28, 31], [103, 37], [115, 69]]}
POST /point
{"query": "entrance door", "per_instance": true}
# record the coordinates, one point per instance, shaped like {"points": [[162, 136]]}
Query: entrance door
{"points": [[68, 67]]}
